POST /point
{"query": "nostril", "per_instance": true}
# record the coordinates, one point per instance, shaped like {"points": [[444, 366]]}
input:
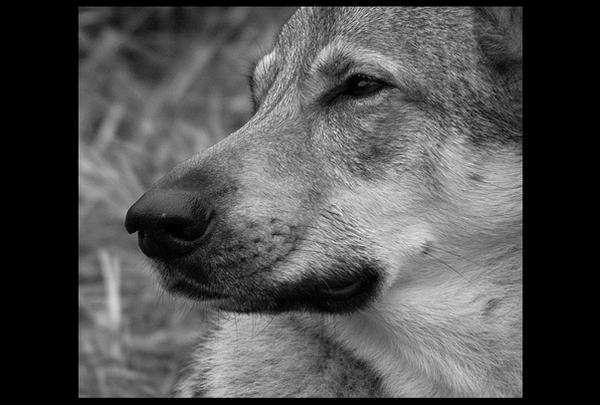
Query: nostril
{"points": [[178, 230], [170, 222], [189, 230], [183, 230]]}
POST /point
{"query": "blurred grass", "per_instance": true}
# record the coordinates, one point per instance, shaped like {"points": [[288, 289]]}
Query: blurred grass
{"points": [[155, 86]]}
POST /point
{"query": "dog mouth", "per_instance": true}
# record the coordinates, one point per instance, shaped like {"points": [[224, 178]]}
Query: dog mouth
{"points": [[333, 291], [343, 289], [340, 288], [336, 294], [193, 290]]}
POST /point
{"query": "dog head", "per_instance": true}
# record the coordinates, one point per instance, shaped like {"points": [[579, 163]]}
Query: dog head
{"points": [[380, 137]]}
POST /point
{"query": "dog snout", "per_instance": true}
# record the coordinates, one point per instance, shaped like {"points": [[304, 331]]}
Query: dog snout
{"points": [[170, 223]]}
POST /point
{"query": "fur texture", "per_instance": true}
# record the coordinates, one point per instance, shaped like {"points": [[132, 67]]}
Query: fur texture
{"points": [[369, 233]]}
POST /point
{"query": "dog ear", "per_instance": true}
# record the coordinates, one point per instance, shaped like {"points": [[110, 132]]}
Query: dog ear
{"points": [[499, 33]]}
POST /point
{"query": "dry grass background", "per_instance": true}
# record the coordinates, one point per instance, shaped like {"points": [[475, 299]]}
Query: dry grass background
{"points": [[155, 86]]}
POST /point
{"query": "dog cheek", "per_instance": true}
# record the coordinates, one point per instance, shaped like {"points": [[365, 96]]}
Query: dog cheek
{"points": [[379, 221], [380, 144]]}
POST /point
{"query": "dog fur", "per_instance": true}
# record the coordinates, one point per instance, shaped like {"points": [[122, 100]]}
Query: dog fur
{"points": [[415, 190]]}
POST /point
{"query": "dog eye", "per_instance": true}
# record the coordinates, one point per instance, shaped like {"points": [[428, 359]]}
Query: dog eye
{"points": [[360, 86]]}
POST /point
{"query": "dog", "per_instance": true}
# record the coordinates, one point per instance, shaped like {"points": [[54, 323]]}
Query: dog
{"points": [[361, 234]]}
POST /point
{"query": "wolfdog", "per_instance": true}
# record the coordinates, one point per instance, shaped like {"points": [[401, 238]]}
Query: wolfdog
{"points": [[360, 235]]}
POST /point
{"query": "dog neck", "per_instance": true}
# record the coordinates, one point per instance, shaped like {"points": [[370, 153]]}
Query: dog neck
{"points": [[448, 336]]}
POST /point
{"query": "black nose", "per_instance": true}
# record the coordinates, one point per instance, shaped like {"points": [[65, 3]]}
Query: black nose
{"points": [[170, 223]]}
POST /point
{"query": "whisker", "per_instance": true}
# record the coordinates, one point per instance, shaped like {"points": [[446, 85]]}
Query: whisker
{"points": [[266, 326], [447, 265], [454, 254]]}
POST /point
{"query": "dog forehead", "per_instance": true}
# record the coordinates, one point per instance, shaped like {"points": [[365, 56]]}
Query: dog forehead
{"points": [[324, 22], [314, 27], [395, 31]]}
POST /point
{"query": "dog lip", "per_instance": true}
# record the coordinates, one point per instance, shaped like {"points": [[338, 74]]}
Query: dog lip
{"points": [[194, 290], [343, 290]]}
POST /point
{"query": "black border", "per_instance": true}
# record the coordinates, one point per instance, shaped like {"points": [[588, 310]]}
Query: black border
{"points": [[47, 193]]}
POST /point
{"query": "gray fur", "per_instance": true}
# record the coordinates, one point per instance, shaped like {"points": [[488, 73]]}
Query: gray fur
{"points": [[320, 368], [420, 184]]}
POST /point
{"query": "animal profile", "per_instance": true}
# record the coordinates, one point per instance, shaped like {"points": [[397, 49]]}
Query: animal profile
{"points": [[361, 234]]}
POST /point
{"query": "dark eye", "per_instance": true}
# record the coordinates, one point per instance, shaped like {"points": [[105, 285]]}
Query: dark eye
{"points": [[360, 86]]}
